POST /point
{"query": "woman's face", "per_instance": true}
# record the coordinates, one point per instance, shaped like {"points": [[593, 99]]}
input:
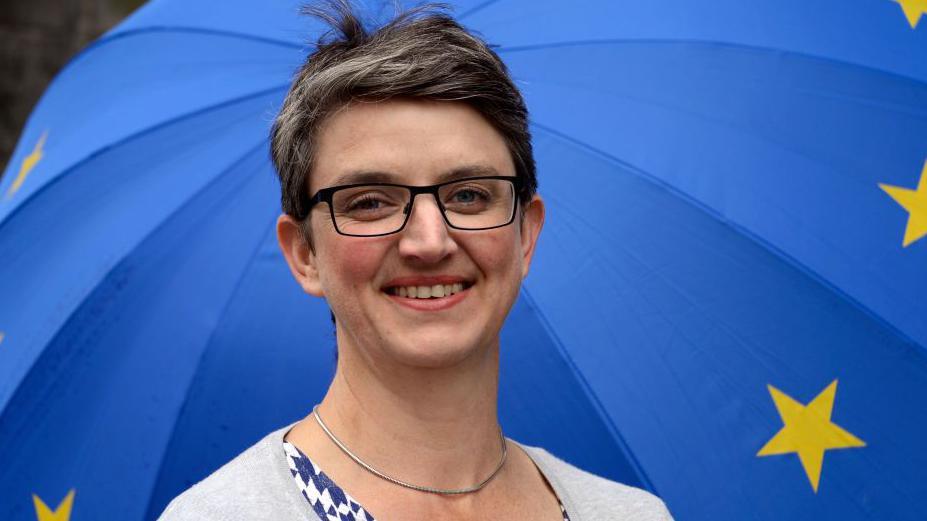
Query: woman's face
{"points": [[413, 142]]}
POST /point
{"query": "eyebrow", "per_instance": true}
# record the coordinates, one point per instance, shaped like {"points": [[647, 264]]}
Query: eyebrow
{"points": [[375, 176]]}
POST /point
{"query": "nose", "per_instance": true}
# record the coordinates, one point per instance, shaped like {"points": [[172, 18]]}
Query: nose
{"points": [[426, 236]]}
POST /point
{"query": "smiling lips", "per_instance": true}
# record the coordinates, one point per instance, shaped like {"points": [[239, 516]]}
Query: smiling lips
{"points": [[428, 293], [436, 291]]}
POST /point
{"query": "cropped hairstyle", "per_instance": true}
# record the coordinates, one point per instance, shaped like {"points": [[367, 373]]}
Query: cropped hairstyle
{"points": [[421, 53]]}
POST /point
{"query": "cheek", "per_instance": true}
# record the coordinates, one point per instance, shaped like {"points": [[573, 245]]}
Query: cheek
{"points": [[498, 255], [350, 264]]}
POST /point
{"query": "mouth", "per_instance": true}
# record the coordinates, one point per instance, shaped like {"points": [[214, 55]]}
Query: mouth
{"points": [[428, 292]]}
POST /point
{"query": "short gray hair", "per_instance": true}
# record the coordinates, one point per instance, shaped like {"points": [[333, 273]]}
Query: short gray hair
{"points": [[421, 53]]}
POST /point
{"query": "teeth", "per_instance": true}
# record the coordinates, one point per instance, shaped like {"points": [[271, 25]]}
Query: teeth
{"points": [[436, 291]]}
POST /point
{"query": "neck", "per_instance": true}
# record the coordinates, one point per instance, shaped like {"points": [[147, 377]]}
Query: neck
{"points": [[435, 427]]}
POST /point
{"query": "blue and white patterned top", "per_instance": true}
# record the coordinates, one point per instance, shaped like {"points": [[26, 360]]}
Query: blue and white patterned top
{"points": [[327, 499]]}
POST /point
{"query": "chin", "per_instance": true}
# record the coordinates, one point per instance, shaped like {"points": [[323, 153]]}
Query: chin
{"points": [[434, 354]]}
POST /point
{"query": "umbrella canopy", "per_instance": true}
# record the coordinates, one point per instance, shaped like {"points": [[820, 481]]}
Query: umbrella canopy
{"points": [[726, 307]]}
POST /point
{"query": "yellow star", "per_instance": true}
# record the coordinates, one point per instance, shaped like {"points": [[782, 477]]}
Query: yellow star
{"points": [[62, 513], [915, 202], [808, 431], [913, 9], [27, 165]]}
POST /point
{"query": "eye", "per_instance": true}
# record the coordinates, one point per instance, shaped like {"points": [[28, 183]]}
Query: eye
{"points": [[365, 203], [468, 195]]}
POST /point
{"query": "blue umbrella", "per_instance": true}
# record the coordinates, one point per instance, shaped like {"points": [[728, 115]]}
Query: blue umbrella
{"points": [[727, 304]]}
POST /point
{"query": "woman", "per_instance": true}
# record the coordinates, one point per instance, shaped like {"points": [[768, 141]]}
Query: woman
{"points": [[408, 191]]}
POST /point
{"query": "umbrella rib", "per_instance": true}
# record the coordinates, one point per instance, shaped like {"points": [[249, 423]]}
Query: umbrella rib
{"points": [[139, 133], [587, 390], [70, 315], [476, 8], [706, 43], [108, 38], [192, 30], [238, 283], [768, 246]]}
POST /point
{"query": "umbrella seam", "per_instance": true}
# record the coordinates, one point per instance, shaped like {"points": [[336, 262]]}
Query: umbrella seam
{"points": [[476, 8], [70, 316], [141, 132], [593, 398], [707, 43], [115, 36], [4, 401], [110, 37], [796, 217], [813, 275], [183, 406]]}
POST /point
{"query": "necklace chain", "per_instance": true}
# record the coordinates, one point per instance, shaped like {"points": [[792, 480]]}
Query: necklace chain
{"points": [[318, 418]]}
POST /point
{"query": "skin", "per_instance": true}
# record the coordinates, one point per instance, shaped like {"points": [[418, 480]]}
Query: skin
{"points": [[415, 392]]}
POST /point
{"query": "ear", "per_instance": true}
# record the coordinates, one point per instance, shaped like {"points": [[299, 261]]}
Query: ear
{"points": [[531, 225], [298, 255]]}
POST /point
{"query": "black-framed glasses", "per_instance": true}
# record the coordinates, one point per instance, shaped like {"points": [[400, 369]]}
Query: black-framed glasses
{"points": [[374, 209]]}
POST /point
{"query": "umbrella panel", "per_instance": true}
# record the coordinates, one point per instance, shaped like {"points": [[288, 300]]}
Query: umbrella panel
{"points": [[95, 397], [698, 319]]}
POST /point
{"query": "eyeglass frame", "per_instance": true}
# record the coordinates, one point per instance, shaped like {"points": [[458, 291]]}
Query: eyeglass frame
{"points": [[325, 195]]}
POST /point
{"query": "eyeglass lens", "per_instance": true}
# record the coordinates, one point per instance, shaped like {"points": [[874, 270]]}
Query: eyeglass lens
{"points": [[470, 204]]}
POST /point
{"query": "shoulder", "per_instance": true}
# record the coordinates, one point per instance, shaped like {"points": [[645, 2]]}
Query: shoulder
{"points": [[595, 497], [254, 486]]}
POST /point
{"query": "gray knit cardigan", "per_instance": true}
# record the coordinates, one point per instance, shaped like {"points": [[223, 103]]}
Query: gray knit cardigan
{"points": [[258, 485]]}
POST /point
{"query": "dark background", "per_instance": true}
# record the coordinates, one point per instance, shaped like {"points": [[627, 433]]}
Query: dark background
{"points": [[37, 38]]}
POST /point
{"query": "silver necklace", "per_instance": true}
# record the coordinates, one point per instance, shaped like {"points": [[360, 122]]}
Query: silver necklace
{"points": [[315, 412]]}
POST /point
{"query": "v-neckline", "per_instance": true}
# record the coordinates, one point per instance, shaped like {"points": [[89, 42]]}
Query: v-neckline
{"points": [[336, 493]]}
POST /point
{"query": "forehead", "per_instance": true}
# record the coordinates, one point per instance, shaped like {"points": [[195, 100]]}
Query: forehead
{"points": [[415, 142]]}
